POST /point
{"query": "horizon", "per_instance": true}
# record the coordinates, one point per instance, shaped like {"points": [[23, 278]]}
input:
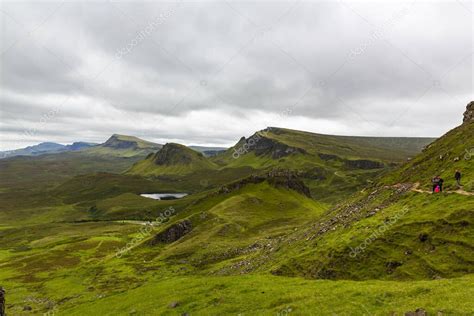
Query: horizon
{"points": [[211, 145]]}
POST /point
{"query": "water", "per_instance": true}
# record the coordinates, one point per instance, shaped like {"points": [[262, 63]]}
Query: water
{"points": [[164, 196]]}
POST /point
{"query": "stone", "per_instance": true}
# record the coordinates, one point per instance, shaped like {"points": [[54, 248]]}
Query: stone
{"points": [[27, 308], [423, 237], [173, 304]]}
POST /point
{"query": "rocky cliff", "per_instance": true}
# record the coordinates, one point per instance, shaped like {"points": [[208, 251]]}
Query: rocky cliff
{"points": [[469, 114], [173, 233]]}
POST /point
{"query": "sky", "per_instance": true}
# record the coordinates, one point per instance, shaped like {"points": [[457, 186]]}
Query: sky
{"points": [[210, 72]]}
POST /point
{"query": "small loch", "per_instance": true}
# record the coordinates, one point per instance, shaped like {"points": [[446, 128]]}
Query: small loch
{"points": [[164, 196]]}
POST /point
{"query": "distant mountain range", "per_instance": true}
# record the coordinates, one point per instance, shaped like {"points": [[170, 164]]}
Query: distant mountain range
{"points": [[116, 145], [45, 148]]}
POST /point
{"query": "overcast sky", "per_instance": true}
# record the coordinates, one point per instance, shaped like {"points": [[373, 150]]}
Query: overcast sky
{"points": [[210, 72]]}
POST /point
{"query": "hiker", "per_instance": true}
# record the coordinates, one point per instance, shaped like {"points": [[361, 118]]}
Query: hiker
{"points": [[441, 181], [437, 184], [458, 176]]}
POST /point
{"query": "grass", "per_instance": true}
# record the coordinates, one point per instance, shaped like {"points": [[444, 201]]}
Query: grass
{"points": [[269, 295]]}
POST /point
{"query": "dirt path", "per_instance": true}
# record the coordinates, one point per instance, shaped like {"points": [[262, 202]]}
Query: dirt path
{"points": [[416, 188]]}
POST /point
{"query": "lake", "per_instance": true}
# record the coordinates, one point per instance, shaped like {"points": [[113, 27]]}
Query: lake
{"points": [[164, 196]]}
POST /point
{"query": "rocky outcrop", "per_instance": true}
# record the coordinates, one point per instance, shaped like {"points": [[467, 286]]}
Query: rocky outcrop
{"points": [[469, 114], [261, 144], [363, 164], [288, 180], [2, 302], [278, 178], [276, 149], [173, 233]]}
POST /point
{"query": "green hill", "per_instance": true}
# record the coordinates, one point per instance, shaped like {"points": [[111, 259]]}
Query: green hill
{"points": [[172, 159], [123, 146], [276, 145]]}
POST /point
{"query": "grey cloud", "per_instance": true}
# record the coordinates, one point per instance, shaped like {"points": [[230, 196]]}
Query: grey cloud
{"points": [[338, 62]]}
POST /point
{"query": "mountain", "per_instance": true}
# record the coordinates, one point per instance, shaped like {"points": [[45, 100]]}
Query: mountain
{"points": [[124, 146], [272, 145], [45, 148], [172, 159]]}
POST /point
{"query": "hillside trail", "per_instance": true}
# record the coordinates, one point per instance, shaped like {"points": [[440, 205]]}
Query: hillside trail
{"points": [[416, 188]]}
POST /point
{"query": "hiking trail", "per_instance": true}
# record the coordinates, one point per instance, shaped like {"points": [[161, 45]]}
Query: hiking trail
{"points": [[416, 188]]}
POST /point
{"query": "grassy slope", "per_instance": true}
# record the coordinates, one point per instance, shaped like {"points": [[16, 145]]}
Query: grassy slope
{"points": [[397, 251], [227, 223], [439, 159], [267, 295]]}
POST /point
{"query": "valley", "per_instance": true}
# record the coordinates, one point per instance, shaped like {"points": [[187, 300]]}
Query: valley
{"points": [[284, 222]]}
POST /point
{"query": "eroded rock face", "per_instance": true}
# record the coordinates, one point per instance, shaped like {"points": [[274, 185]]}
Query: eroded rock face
{"points": [[277, 150], [173, 233], [288, 180], [278, 178], [469, 114]]}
